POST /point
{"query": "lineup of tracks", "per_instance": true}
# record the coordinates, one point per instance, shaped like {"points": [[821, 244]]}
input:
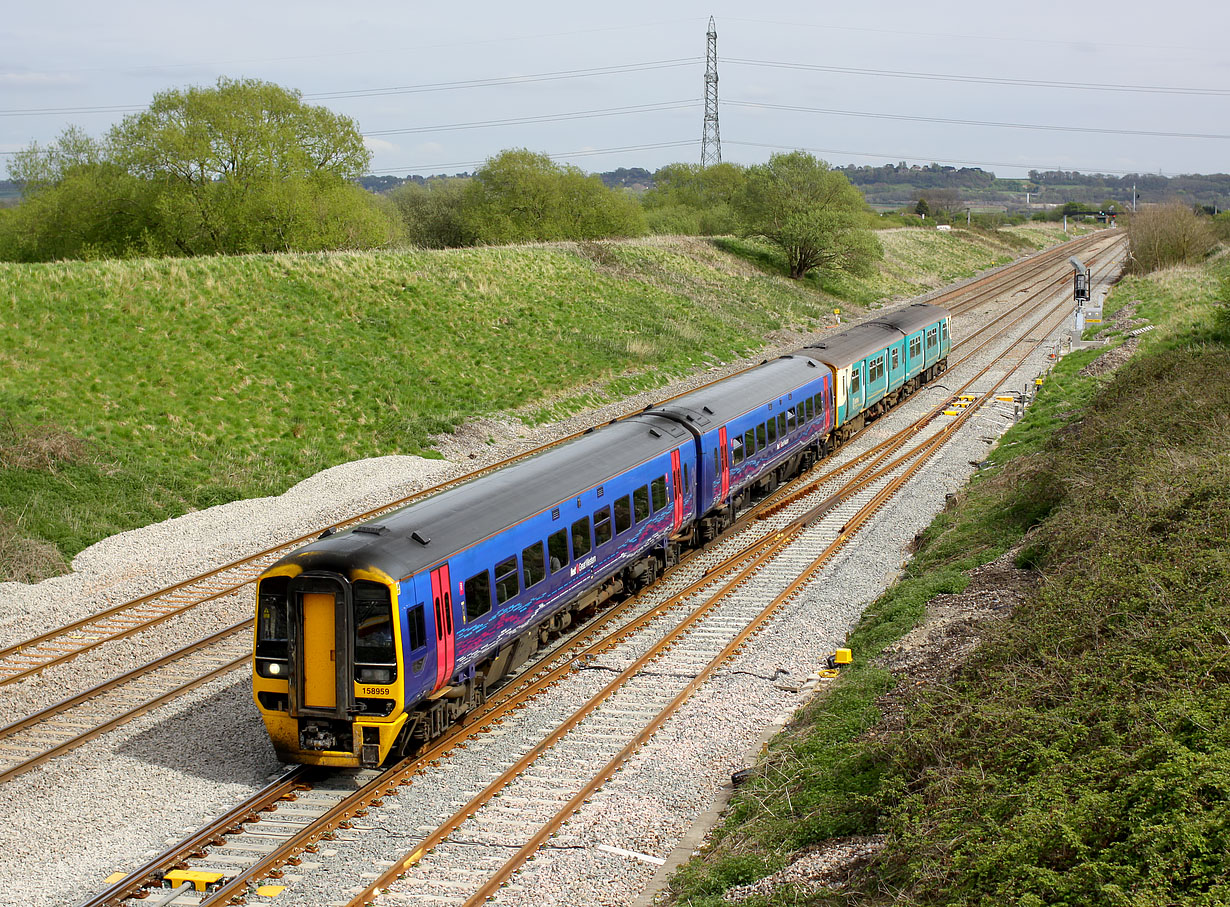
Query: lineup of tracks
{"points": [[714, 601], [729, 587]]}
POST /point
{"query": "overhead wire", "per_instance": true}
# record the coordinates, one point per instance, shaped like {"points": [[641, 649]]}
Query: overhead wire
{"points": [[866, 114]]}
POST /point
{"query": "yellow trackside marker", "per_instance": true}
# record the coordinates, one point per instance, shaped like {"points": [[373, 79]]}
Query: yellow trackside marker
{"points": [[967, 397], [950, 412], [115, 877], [1038, 381], [200, 880], [1006, 399], [270, 891]]}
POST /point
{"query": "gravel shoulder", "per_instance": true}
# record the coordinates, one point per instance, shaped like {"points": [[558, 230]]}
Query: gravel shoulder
{"points": [[115, 801]]}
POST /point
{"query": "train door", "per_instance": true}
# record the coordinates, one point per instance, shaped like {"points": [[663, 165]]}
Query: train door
{"points": [[677, 483], [442, 606], [724, 457], [322, 683]]}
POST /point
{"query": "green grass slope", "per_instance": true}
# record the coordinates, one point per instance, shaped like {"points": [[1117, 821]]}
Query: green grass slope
{"points": [[132, 391], [1082, 757]]}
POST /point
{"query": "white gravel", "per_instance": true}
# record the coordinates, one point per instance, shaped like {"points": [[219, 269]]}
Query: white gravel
{"points": [[112, 802]]}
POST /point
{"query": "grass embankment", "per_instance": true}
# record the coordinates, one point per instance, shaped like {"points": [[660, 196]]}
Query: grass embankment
{"points": [[132, 391], [1082, 755]]}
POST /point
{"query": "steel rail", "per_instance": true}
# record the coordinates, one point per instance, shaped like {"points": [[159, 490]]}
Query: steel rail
{"points": [[493, 713], [37, 653], [763, 510]]}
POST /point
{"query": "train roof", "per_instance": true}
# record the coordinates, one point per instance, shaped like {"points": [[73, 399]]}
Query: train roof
{"points": [[709, 407], [840, 350], [914, 318], [854, 343], [457, 518]]}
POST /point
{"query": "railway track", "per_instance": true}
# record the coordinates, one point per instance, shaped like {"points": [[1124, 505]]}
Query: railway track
{"points": [[36, 738], [701, 640], [36, 654]]}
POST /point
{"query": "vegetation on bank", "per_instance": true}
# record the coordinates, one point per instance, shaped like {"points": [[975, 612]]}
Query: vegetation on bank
{"points": [[133, 391], [1080, 756]]}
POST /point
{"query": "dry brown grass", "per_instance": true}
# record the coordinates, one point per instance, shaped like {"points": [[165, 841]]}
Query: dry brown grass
{"points": [[27, 560], [41, 447]]}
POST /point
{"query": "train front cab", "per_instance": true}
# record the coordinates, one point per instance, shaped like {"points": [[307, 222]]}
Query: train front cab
{"points": [[327, 665]]}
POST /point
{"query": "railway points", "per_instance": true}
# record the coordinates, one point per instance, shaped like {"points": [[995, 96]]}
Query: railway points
{"points": [[983, 395]]}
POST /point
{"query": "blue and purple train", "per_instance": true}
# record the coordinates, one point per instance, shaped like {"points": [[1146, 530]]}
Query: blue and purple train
{"points": [[375, 639]]}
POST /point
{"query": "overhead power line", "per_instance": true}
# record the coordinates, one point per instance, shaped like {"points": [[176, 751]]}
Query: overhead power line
{"points": [[403, 89], [984, 80], [506, 80], [545, 118], [956, 122]]}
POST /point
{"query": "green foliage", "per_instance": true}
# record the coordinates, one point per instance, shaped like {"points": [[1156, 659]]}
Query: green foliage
{"points": [[432, 212], [1164, 235], [520, 196], [1083, 755], [244, 166], [811, 213], [694, 200]]}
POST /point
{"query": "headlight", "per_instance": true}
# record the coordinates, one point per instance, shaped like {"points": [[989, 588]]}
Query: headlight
{"points": [[376, 675], [267, 668]]}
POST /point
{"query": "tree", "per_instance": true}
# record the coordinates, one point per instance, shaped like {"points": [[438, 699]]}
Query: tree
{"points": [[689, 198], [432, 212], [810, 212], [923, 208], [521, 196], [243, 166]]}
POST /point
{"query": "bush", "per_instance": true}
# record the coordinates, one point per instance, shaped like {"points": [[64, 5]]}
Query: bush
{"points": [[1170, 234]]}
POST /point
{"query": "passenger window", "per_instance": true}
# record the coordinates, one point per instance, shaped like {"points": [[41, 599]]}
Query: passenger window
{"points": [[602, 526], [772, 427], [557, 545], [581, 542], [808, 412], [781, 425], [623, 514], [659, 493], [507, 585], [856, 380], [736, 449], [791, 422], [478, 595], [749, 442], [532, 563], [640, 501], [761, 443], [418, 627]]}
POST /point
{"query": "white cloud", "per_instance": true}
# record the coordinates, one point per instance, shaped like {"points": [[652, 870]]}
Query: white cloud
{"points": [[377, 146], [429, 148]]}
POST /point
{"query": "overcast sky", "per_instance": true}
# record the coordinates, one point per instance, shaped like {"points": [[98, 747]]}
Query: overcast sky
{"points": [[89, 64]]}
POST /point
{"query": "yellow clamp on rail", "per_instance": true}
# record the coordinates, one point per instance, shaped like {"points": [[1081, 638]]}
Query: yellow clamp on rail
{"points": [[970, 397], [950, 412], [201, 881]]}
